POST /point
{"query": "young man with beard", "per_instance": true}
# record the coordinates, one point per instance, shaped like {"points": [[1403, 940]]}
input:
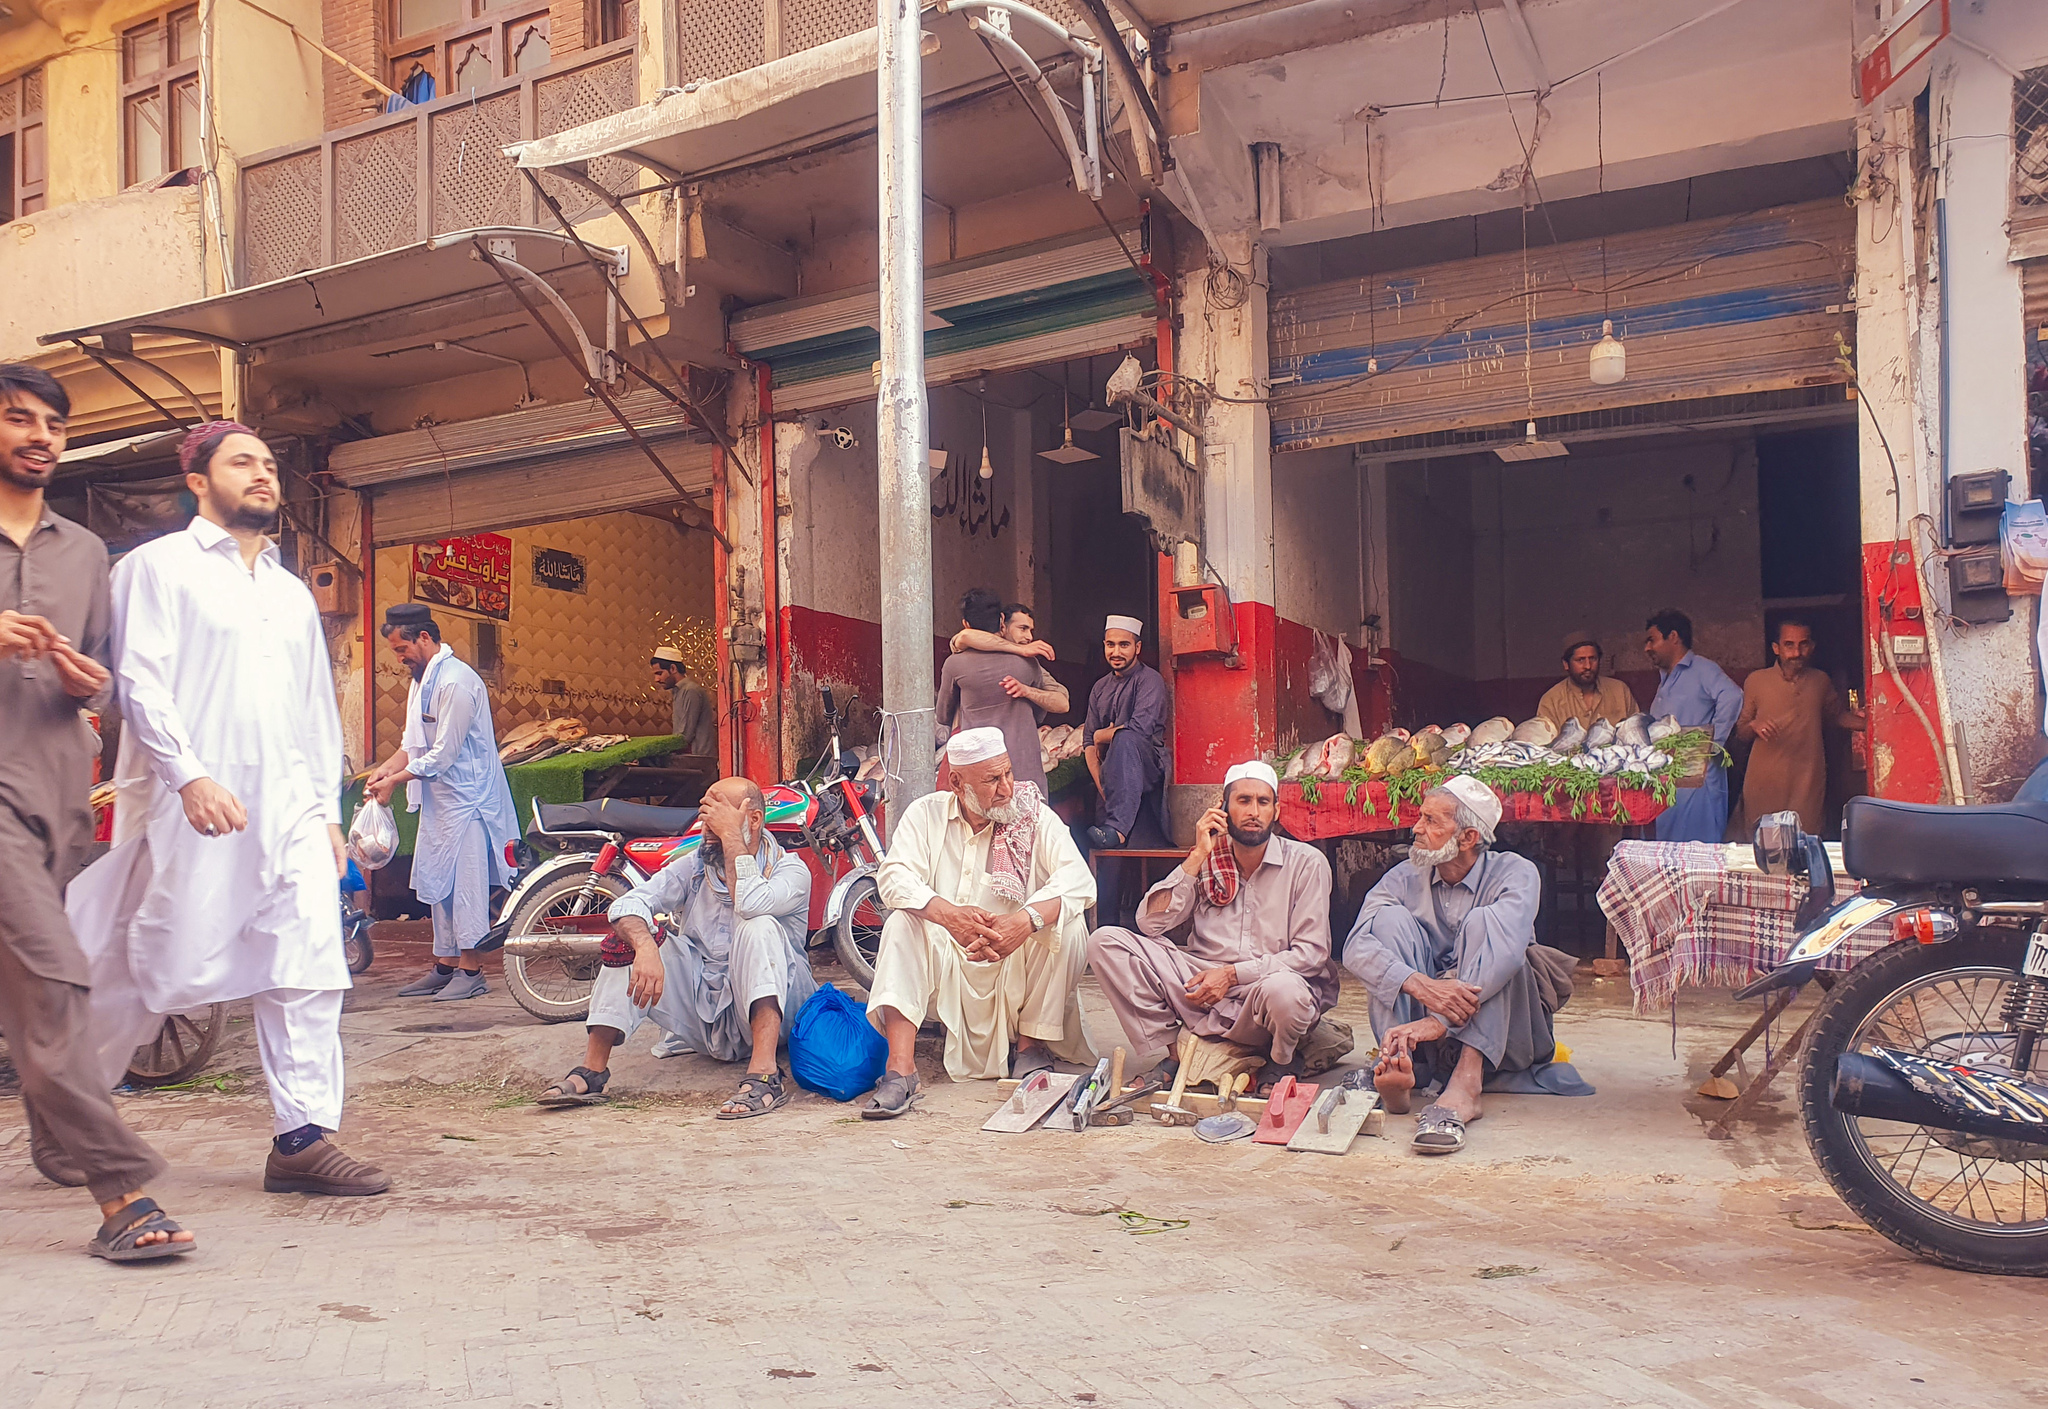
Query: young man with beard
{"points": [[228, 843], [447, 762], [1585, 694], [1256, 967], [987, 931], [1461, 993], [54, 625], [1126, 730], [723, 977], [979, 686]]}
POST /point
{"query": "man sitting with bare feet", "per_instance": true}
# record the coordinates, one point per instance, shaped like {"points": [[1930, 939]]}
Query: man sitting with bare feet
{"points": [[1444, 947], [1255, 967], [729, 966]]}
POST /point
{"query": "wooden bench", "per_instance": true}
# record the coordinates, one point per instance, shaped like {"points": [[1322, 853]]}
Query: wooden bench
{"points": [[1143, 855]]}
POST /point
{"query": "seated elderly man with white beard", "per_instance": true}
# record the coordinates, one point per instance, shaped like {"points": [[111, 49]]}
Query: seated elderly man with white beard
{"points": [[988, 899], [1460, 991]]}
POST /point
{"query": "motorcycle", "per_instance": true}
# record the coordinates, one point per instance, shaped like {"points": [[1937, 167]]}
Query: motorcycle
{"points": [[1924, 1090], [555, 919]]}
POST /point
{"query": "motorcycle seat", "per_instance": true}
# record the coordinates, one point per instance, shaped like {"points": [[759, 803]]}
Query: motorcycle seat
{"points": [[1920, 843], [631, 819]]}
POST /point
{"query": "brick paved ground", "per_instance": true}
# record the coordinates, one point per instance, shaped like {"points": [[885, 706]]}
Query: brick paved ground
{"points": [[646, 1254]]}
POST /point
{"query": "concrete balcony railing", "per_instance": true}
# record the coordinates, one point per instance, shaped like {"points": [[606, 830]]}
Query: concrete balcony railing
{"points": [[427, 170]]}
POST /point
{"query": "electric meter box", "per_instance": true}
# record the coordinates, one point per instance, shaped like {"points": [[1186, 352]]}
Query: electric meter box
{"points": [[1976, 504]]}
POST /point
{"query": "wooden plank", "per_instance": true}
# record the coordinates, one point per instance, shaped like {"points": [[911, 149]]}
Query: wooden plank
{"points": [[1021, 1111], [1334, 1121]]}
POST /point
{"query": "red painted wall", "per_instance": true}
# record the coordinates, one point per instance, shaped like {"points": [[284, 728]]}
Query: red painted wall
{"points": [[1903, 761]]}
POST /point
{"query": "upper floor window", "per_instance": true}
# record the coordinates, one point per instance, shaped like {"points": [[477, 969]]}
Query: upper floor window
{"points": [[460, 45], [160, 97], [23, 174]]}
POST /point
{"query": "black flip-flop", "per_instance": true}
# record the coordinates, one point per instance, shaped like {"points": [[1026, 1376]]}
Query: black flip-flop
{"points": [[559, 1096], [757, 1095], [116, 1240]]}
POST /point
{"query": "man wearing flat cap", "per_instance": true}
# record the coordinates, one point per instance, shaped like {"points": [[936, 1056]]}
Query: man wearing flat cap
{"points": [[1253, 966], [1461, 994], [692, 713], [447, 762], [1126, 732], [1585, 694], [987, 930]]}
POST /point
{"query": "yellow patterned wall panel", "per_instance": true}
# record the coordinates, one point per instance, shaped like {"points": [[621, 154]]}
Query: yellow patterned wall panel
{"points": [[646, 585]]}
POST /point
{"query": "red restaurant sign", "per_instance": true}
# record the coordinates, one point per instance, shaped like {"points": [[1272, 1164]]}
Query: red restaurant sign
{"points": [[470, 574]]}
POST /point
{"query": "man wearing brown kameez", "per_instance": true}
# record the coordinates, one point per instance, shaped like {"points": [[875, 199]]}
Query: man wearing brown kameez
{"points": [[1784, 710]]}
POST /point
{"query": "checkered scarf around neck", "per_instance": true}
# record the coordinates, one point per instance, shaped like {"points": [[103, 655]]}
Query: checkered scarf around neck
{"points": [[1010, 849], [1220, 877]]}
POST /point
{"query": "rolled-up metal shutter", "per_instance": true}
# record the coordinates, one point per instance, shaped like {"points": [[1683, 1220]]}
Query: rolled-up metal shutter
{"points": [[537, 466], [1746, 304]]}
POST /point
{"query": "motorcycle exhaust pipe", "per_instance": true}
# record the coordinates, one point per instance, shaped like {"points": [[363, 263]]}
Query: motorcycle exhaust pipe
{"points": [[554, 946], [1867, 1087]]}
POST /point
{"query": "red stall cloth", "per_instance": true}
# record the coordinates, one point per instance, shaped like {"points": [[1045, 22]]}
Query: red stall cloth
{"points": [[1371, 810]]}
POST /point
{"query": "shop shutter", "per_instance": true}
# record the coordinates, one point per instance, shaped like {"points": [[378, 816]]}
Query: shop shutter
{"points": [[1746, 304], [537, 466], [2034, 287]]}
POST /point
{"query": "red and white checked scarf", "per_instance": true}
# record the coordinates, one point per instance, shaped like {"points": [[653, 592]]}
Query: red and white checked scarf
{"points": [[1011, 848], [1220, 877]]}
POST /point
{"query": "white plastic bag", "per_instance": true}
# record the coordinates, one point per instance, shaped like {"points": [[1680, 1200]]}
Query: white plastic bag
{"points": [[373, 836]]}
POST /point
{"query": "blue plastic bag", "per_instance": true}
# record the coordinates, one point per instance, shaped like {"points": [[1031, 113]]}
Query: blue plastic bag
{"points": [[832, 1049]]}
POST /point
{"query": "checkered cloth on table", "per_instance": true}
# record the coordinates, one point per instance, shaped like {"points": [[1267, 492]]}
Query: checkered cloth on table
{"points": [[1685, 918]]}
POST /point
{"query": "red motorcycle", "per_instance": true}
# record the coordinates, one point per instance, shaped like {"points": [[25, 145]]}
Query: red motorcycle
{"points": [[596, 852]]}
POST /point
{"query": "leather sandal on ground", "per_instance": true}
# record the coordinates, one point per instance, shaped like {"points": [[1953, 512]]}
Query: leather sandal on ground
{"points": [[1438, 1131], [48, 1156], [581, 1087], [1273, 1073], [894, 1094], [1026, 1060], [758, 1095], [117, 1239]]}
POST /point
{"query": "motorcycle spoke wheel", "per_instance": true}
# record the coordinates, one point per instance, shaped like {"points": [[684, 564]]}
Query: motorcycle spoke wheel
{"points": [[558, 990], [1971, 1183]]}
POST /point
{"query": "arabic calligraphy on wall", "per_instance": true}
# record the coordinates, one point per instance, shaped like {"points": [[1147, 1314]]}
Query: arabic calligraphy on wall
{"points": [[469, 574], [959, 491], [552, 567]]}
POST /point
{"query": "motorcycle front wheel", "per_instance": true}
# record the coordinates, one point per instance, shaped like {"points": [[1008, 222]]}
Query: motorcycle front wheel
{"points": [[356, 946], [558, 990], [858, 935], [1968, 1202]]}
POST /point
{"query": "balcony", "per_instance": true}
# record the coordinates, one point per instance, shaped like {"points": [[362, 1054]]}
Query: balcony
{"points": [[427, 170], [719, 38]]}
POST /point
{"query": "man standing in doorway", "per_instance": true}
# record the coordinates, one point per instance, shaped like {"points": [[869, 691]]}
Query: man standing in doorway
{"points": [[692, 714], [448, 764], [1702, 696], [1784, 711], [1585, 694], [1126, 730], [54, 623], [228, 845], [979, 687]]}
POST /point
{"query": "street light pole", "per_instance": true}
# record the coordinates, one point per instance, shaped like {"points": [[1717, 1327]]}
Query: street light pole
{"points": [[900, 426]]}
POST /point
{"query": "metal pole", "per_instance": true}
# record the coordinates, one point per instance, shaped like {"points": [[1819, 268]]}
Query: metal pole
{"points": [[900, 434]]}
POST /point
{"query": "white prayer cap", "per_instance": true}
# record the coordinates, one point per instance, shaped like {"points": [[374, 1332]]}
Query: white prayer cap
{"points": [[1262, 772], [1124, 623], [975, 746], [1478, 799]]}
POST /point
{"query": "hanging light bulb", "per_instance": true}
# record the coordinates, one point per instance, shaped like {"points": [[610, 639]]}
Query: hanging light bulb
{"points": [[1610, 358], [988, 471]]}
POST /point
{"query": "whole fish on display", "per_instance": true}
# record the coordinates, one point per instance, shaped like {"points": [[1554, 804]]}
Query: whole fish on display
{"points": [[1600, 736], [1338, 751], [1534, 731], [1456, 735], [1634, 731], [1381, 753], [1571, 738], [1665, 728], [1493, 731]]}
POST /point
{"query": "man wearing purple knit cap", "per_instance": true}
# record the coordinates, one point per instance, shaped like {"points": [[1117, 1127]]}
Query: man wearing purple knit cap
{"points": [[228, 839]]}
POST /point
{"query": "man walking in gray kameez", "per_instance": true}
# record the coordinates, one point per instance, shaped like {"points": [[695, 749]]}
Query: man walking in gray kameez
{"points": [[1461, 993], [729, 968], [55, 622]]}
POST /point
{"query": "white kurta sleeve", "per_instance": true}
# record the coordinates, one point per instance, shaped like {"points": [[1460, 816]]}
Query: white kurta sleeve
{"points": [[320, 723], [1067, 877], [145, 641], [904, 877]]}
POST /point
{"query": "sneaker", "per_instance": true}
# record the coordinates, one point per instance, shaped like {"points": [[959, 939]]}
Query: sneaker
{"points": [[462, 985], [427, 984], [321, 1168], [1103, 839], [670, 1045]]}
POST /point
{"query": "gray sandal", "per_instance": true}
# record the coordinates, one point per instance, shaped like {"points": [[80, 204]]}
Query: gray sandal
{"points": [[1438, 1131], [757, 1095], [116, 1240], [894, 1094], [1026, 1060], [560, 1095]]}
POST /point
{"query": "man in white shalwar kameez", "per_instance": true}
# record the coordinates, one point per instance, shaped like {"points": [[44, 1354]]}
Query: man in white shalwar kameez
{"points": [[448, 762], [228, 847], [988, 899]]}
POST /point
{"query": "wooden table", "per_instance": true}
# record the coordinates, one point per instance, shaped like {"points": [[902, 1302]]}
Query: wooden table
{"points": [[1143, 855]]}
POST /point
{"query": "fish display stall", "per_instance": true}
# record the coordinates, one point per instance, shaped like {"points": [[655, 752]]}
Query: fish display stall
{"points": [[1622, 774]]}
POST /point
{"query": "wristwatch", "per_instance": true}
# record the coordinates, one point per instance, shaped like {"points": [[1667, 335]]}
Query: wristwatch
{"points": [[1038, 921]]}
